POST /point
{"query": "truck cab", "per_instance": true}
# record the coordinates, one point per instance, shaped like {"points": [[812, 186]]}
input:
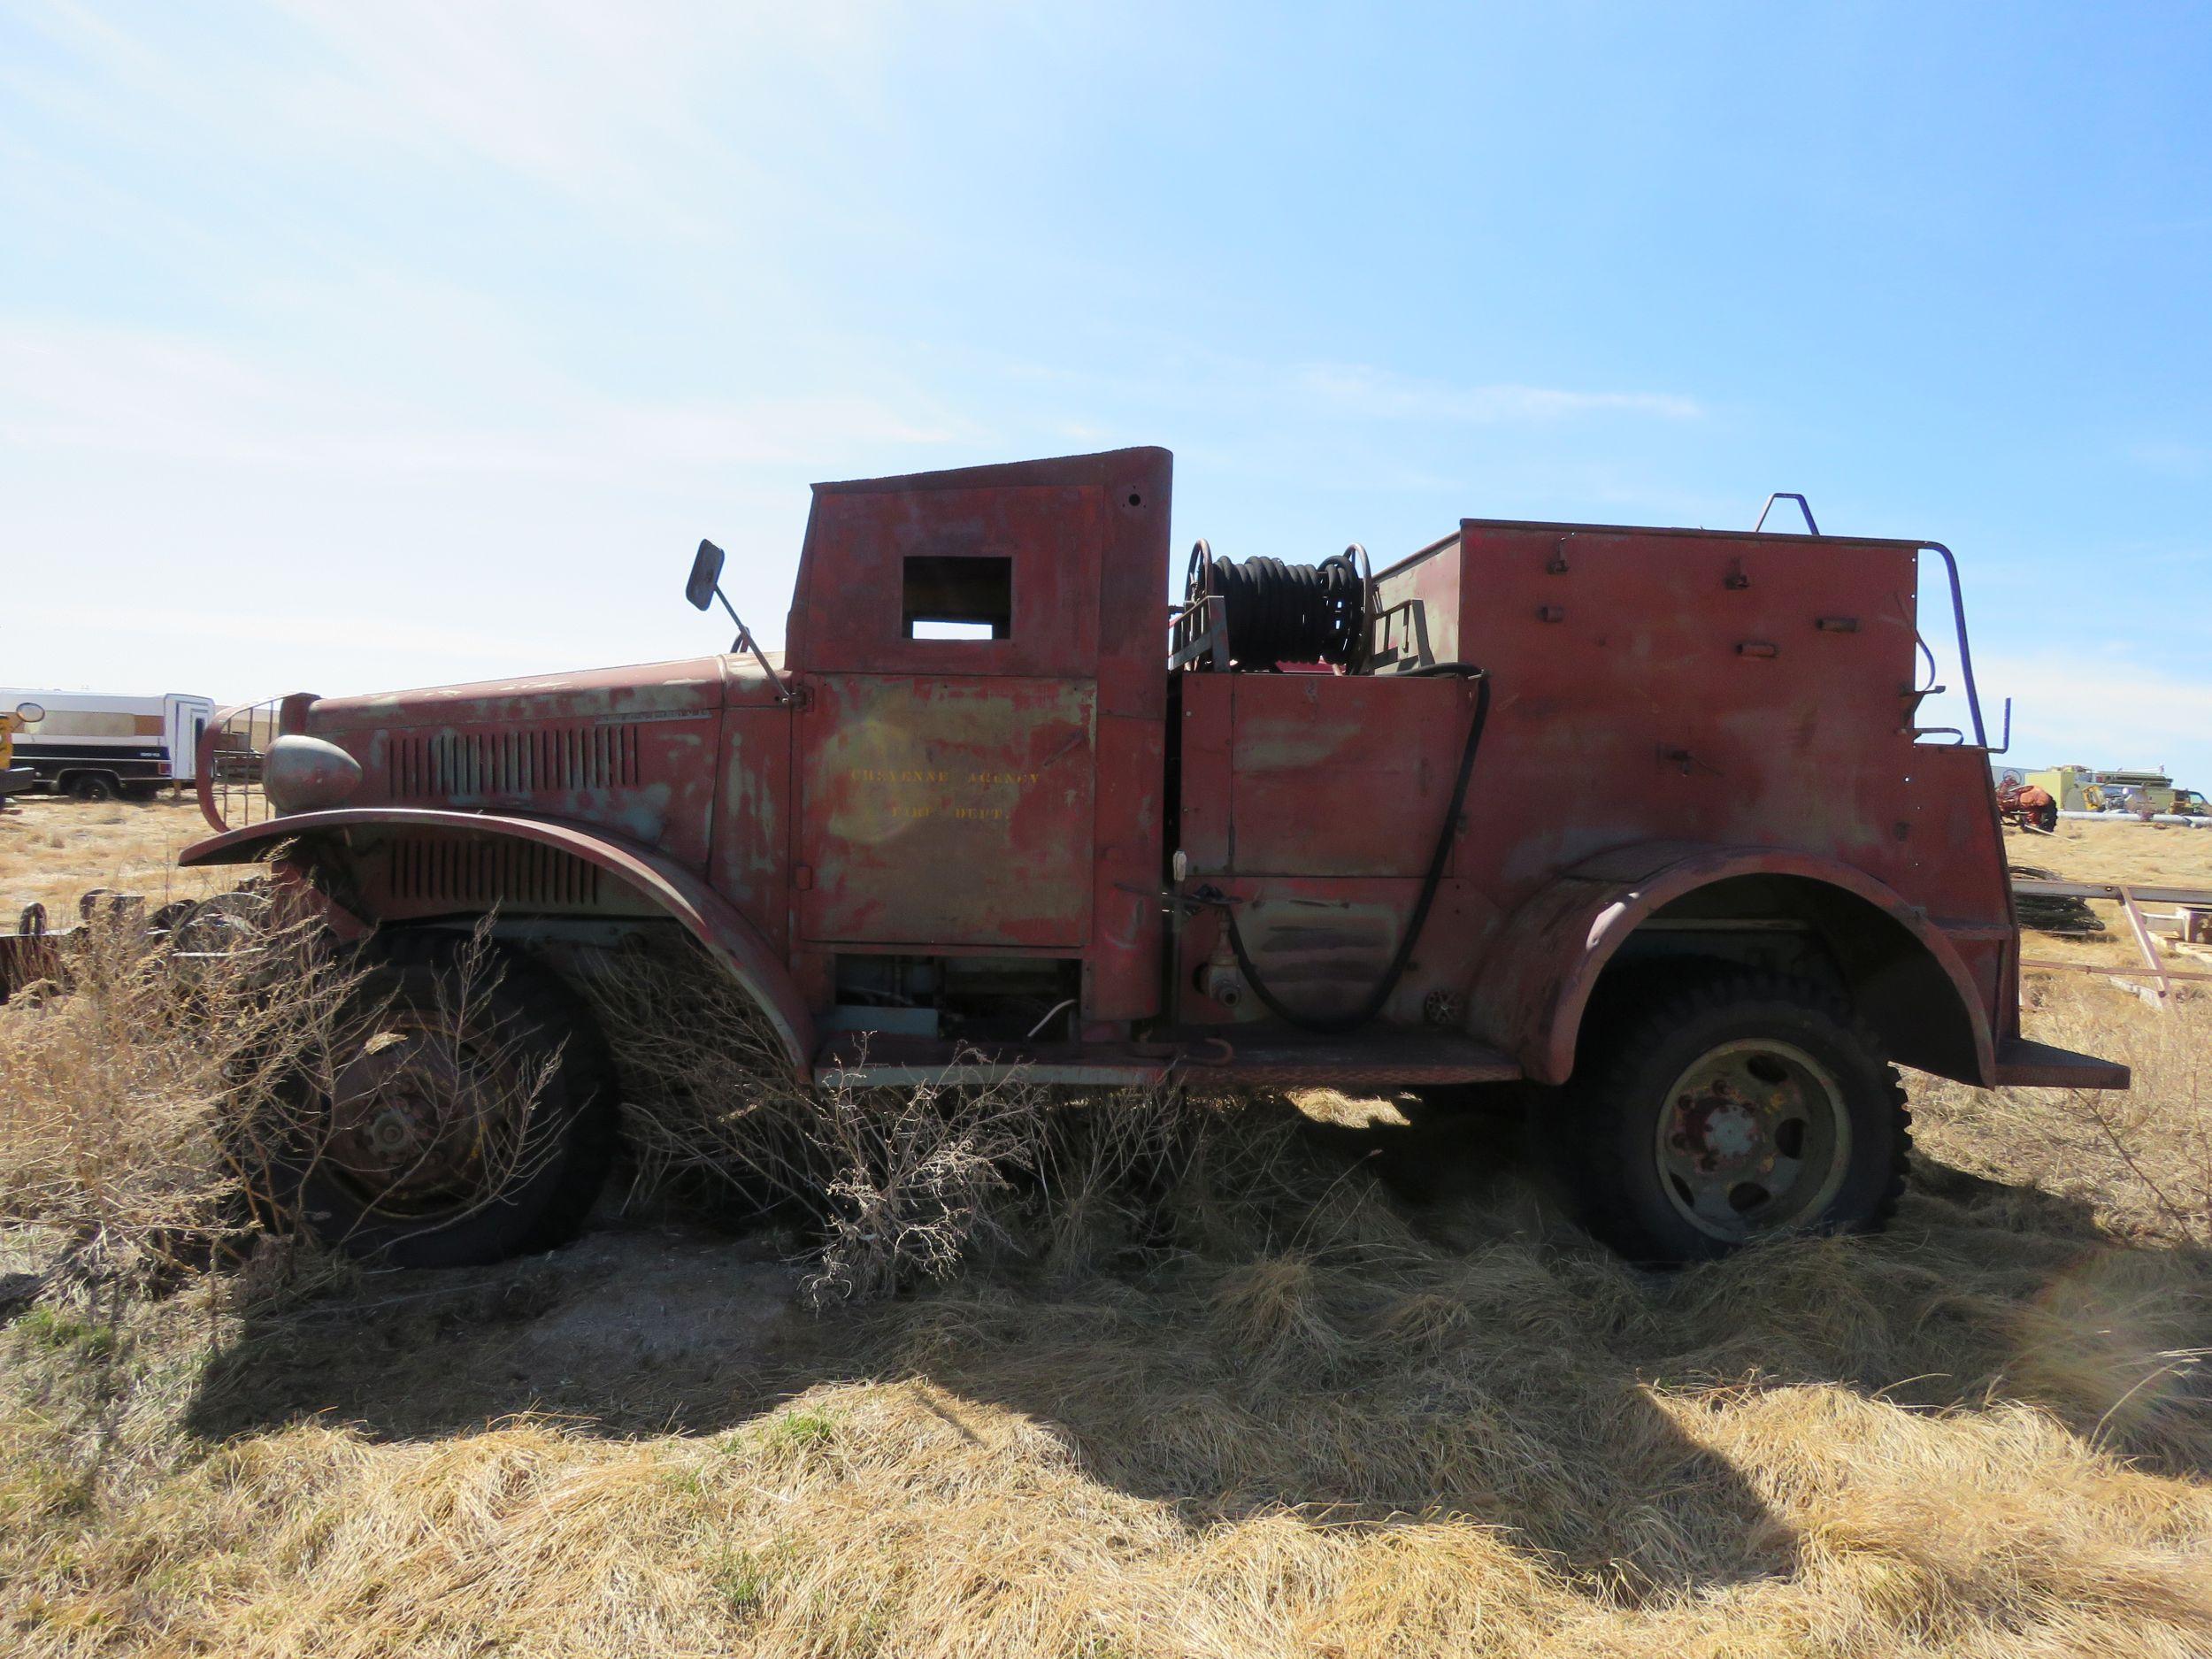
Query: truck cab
{"points": [[977, 760], [1534, 803]]}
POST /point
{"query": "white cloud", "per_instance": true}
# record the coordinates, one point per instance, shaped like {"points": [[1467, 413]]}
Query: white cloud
{"points": [[115, 392], [1377, 394], [2100, 709], [573, 96], [616, 103]]}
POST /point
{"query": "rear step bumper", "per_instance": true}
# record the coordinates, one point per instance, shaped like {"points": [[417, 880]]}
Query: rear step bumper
{"points": [[2025, 1065]]}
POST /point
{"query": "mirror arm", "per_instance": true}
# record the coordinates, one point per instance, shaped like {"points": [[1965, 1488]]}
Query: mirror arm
{"points": [[746, 643]]}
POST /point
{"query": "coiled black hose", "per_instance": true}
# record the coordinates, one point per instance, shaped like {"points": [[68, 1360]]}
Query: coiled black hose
{"points": [[1277, 612], [1438, 859]]}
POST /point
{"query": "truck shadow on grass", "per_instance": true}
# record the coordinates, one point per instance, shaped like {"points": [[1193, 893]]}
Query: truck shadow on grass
{"points": [[1426, 1342]]}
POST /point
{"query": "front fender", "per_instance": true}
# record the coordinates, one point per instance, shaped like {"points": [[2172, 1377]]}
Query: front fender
{"points": [[1536, 980], [705, 914]]}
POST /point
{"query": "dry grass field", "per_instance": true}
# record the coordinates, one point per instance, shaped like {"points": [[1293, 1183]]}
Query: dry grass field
{"points": [[1344, 1386], [52, 850], [2120, 850], [2124, 851]]}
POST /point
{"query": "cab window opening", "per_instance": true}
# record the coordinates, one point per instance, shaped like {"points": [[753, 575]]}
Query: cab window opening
{"points": [[957, 597]]}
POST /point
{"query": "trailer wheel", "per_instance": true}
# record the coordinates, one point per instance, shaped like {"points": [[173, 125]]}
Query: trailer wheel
{"points": [[92, 786], [1729, 1110], [451, 1131], [2046, 817]]}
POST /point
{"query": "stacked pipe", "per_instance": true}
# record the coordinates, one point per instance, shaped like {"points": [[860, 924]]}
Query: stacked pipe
{"points": [[2053, 913]]}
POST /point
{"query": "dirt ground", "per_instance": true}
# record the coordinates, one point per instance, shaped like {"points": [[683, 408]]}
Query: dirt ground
{"points": [[1368, 1397]]}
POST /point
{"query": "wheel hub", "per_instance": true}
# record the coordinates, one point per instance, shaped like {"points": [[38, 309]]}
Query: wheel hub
{"points": [[1755, 1137], [1722, 1133], [409, 1117], [394, 1131]]}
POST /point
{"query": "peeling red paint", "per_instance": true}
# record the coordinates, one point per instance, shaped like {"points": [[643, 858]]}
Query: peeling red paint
{"points": [[1669, 710]]}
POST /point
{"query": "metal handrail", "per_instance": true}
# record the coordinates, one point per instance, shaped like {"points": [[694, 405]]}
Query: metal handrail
{"points": [[1966, 654], [1958, 611], [1803, 506]]}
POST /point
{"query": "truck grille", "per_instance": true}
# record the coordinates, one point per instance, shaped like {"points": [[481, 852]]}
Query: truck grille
{"points": [[551, 760], [473, 874]]}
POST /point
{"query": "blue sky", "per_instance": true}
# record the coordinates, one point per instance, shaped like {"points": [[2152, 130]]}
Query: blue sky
{"points": [[348, 345]]}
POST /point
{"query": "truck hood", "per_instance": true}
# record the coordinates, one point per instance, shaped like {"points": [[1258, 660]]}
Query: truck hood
{"points": [[696, 685]]}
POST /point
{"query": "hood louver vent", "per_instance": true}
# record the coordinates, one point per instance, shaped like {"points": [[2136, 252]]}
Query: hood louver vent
{"points": [[477, 875], [550, 760]]}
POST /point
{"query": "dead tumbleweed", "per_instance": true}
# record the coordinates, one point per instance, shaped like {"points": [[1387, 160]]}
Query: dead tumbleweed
{"points": [[898, 1184]]}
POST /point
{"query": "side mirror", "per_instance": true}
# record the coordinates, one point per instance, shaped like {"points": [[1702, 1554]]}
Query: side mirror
{"points": [[706, 572], [30, 713]]}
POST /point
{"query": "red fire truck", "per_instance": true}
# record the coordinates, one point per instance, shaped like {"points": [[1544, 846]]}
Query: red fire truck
{"points": [[1641, 819]]}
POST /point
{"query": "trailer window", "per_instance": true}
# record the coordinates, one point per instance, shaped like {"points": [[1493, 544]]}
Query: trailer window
{"points": [[958, 598], [96, 723]]}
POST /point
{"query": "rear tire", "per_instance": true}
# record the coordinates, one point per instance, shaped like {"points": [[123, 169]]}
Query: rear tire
{"points": [[92, 786], [2046, 817], [1736, 1109], [389, 1163]]}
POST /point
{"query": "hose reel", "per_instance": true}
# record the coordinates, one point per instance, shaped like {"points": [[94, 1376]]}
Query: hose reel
{"points": [[1264, 612]]}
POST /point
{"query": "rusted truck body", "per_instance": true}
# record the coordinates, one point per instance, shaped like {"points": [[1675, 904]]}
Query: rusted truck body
{"points": [[1002, 802]]}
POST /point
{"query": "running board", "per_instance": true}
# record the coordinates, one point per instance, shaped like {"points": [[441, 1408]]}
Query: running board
{"points": [[1235, 1057]]}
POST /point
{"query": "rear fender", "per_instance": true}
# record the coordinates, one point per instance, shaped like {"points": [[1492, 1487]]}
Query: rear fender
{"points": [[668, 887], [1538, 975]]}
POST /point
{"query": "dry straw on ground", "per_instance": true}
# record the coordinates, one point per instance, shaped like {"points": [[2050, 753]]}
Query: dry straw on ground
{"points": [[1321, 1382], [52, 850], [133, 1103]]}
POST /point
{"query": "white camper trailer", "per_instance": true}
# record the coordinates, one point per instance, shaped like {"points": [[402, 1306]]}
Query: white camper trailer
{"points": [[97, 747]]}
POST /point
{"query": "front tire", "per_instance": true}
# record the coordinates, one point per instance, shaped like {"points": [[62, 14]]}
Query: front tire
{"points": [[1736, 1109], [457, 1125]]}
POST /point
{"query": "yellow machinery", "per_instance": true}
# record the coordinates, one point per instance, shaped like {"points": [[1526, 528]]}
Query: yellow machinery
{"points": [[15, 778], [2094, 789]]}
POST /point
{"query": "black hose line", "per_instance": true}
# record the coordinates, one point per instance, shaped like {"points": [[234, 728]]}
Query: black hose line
{"points": [[1275, 612], [1436, 861]]}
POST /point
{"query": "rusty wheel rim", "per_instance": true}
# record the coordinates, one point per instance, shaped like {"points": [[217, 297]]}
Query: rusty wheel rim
{"points": [[1755, 1137], [421, 1119]]}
